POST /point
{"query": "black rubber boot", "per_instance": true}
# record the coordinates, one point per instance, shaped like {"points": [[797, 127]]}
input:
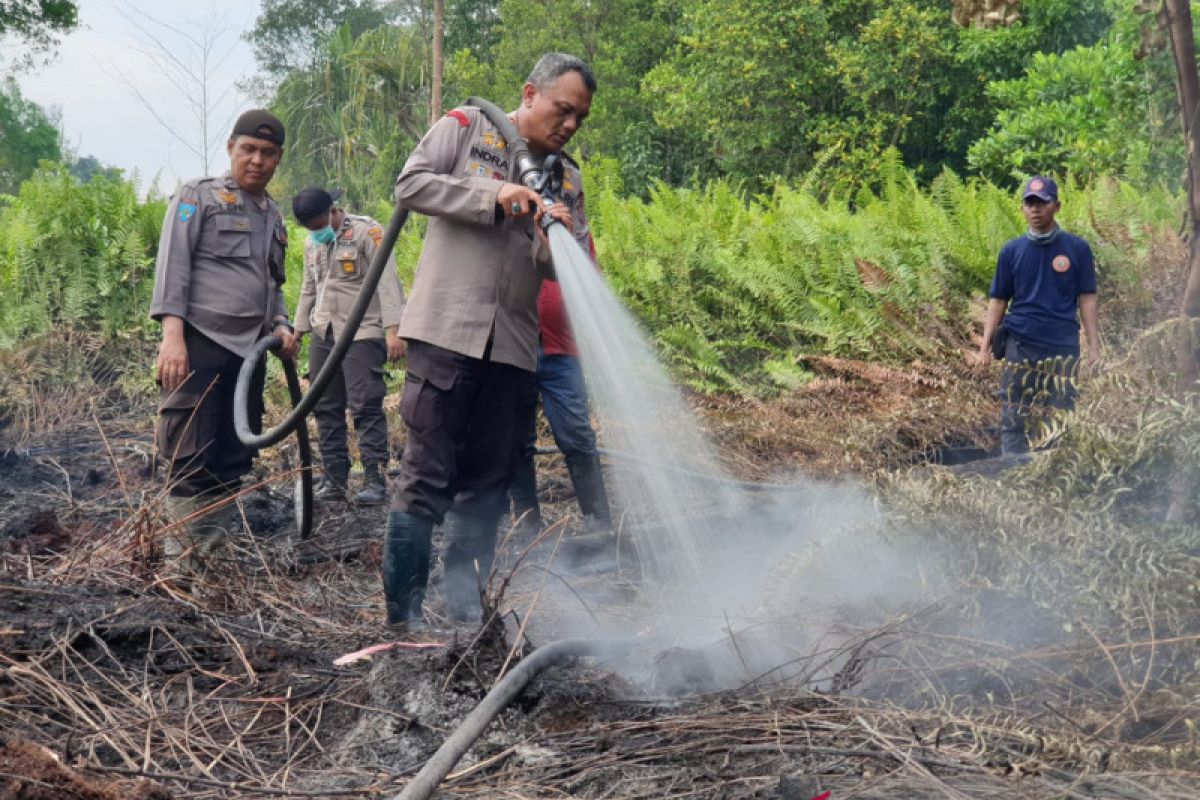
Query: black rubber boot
{"points": [[406, 566], [590, 493], [374, 491], [332, 485], [523, 493], [467, 561]]}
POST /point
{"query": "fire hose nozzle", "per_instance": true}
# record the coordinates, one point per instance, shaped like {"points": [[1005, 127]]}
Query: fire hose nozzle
{"points": [[544, 177]]}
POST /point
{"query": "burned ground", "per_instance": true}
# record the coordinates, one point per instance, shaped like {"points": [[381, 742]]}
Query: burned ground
{"points": [[118, 682]]}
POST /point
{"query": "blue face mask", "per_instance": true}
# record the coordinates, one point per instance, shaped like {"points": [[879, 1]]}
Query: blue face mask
{"points": [[323, 236]]}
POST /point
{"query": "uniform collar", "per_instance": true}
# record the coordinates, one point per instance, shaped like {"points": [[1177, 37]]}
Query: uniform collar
{"points": [[233, 185]]}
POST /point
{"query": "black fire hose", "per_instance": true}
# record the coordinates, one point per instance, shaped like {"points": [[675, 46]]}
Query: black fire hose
{"points": [[537, 175], [543, 176], [503, 693], [303, 405]]}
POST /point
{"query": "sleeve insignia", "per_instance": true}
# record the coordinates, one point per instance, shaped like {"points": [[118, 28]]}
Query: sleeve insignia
{"points": [[376, 234], [186, 211]]}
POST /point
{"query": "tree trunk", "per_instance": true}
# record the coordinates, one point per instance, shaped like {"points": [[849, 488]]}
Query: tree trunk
{"points": [[435, 94], [1176, 18]]}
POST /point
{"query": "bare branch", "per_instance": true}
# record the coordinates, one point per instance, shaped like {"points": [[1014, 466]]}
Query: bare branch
{"points": [[184, 59]]}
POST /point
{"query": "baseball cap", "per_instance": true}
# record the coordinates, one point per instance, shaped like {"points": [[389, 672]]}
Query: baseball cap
{"points": [[260, 124], [313, 202], [1042, 188]]}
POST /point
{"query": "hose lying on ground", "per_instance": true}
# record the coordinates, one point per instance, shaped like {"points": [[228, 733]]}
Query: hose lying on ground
{"points": [[503, 693]]}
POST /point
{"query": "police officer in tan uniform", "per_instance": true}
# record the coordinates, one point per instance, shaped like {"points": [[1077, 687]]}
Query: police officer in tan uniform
{"points": [[217, 290], [337, 255], [471, 328]]}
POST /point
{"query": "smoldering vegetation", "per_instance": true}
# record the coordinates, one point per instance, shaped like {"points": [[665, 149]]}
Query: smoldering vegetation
{"points": [[918, 631]]}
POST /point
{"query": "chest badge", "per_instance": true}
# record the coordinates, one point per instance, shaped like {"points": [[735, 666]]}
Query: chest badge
{"points": [[228, 198], [1061, 263]]}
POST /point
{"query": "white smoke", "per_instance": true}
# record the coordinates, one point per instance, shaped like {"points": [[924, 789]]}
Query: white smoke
{"points": [[736, 584]]}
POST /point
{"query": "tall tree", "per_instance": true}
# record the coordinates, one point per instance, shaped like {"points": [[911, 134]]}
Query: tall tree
{"points": [[289, 35], [353, 117], [435, 94], [621, 40], [37, 24], [1176, 18], [188, 57], [27, 135]]}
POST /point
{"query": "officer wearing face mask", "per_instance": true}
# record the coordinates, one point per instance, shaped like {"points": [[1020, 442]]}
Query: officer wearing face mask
{"points": [[337, 253]]}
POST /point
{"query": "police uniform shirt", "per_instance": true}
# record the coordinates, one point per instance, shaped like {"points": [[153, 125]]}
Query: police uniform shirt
{"points": [[477, 280], [333, 276], [220, 263]]}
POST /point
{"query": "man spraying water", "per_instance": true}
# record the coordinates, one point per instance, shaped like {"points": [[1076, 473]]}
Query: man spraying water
{"points": [[471, 328]]}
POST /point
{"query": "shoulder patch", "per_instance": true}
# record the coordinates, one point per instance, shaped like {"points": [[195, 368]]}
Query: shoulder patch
{"points": [[376, 234], [463, 122], [187, 209]]}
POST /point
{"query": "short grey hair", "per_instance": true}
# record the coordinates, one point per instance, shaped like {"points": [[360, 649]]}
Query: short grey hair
{"points": [[553, 66]]}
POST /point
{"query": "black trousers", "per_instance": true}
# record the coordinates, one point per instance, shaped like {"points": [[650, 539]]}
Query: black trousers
{"points": [[1034, 379], [359, 385], [196, 436], [465, 418]]}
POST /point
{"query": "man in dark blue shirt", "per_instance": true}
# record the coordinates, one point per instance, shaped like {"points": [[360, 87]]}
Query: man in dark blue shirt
{"points": [[1046, 282]]}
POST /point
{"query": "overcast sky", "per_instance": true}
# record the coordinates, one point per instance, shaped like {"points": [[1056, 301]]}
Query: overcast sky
{"points": [[101, 67]]}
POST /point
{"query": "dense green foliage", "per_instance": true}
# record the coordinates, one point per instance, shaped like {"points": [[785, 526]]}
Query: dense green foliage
{"points": [[353, 120], [737, 290], [27, 136], [76, 255], [289, 35], [766, 181], [753, 91], [1106, 109]]}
